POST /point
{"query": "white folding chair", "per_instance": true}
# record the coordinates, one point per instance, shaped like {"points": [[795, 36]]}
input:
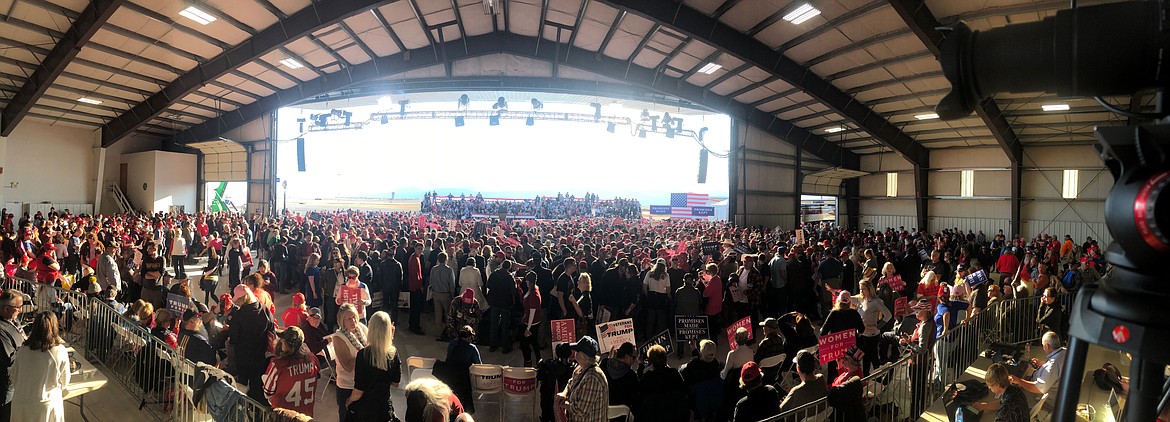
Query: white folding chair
{"points": [[520, 385], [326, 356], [1036, 408], [488, 380], [419, 364], [618, 411]]}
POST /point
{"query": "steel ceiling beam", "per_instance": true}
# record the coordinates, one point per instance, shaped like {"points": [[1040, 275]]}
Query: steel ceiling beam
{"points": [[723, 8], [681, 18], [922, 22], [79, 33], [518, 45], [312, 18]]}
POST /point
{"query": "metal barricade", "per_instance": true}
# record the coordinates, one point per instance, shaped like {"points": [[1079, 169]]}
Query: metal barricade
{"points": [[157, 376], [905, 388], [69, 305]]}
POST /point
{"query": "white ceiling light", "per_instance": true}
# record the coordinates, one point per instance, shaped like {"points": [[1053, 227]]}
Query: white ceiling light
{"points": [[88, 101], [926, 116], [801, 14], [710, 68], [835, 129], [199, 16], [292, 63], [1055, 107]]}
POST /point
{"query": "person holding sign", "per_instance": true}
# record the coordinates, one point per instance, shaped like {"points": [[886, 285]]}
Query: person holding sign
{"points": [[584, 398], [688, 301], [661, 389], [841, 318]]}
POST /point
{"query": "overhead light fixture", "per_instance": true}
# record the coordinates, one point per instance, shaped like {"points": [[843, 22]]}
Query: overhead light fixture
{"points": [[199, 16], [710, 68], [494, 120], [402, 107], [596, 111], [835, 129], [529, 121], [702, 132], [291, 63], [458, 121], [801, 14], [1055, 107], [536, 104], [642, 133], [611, 127], [464, 102], [500, 105], [489, 7], [926, 116], [88, 101], [385, 119]]}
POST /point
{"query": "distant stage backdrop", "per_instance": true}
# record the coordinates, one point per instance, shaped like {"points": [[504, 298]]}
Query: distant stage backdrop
{"points": [[402, 159]]}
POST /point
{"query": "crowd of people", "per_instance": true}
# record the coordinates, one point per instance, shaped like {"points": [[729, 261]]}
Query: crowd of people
{"points": [[349, 272], [561, 206]]}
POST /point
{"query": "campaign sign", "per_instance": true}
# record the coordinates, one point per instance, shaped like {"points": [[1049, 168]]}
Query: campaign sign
{"points": [[702, 211], [746, 322], [178, 304], [976, 278], [690, 327], [799, 237], [660, 210], [832, 346], [662, 339], [519, 385], [563, 331], [899, 307], [709, 248], [612, 334]]}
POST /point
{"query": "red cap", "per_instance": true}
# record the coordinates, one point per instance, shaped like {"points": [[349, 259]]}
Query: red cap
{"points": [[468, 296], [298, 299], [750, 372]]}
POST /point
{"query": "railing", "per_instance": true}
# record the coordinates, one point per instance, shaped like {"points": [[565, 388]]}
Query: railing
{"points": [[905, 388], [158, 377], [121, 200]]}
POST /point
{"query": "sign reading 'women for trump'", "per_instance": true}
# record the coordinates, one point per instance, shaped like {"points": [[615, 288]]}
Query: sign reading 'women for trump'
{"points": [[832, 346]]}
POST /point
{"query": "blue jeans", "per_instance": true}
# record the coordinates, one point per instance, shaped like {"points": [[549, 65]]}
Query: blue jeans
{"points": [[501, 320]]}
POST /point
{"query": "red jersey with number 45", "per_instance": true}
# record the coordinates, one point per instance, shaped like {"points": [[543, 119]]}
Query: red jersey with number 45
{"points": [[291, 383]]}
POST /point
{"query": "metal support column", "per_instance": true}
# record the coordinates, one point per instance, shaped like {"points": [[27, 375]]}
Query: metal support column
{"points": [[733, 180], [797, 190], [1017, 185], [200, 189], [921, 182], [852, 203]]}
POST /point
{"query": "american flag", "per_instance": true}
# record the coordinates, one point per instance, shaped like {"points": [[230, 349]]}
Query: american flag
{"points": [[681, 212], [688, 199]]}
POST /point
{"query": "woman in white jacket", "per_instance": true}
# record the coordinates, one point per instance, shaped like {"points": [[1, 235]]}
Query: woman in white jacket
{"points": [[40, 373]]}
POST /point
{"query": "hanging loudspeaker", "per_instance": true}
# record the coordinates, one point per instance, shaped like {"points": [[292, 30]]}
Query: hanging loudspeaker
{"points": [[301, 154]]}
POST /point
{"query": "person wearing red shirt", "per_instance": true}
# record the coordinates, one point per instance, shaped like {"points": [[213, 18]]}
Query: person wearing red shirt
{"points": [[1007, 265], [291, 379], [713, 293], [531, 318], [414, 283], [295, 314]]}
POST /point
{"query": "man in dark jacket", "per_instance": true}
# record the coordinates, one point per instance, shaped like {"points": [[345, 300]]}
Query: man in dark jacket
{"points": [[761, 402], [771, 345], [390, 277], [501, 296], [12, 338], [622, 375]]}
